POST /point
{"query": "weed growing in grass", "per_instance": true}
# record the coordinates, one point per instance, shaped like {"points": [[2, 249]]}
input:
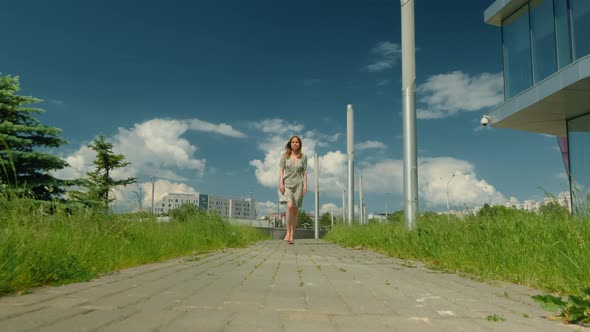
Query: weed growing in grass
{"points": [[575, 310], [495, 318]]}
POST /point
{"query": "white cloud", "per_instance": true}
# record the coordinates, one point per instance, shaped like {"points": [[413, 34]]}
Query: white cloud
{"points": [[465, 188], [384, 176], [128, 198], [331, 207], [56, 102], [154, 147], [369, 145], [387, 55], [222, 128], [562, 176], [275, 126], [383, 83], [266, 208], [145, 145], [445, 95], [273, 146]]}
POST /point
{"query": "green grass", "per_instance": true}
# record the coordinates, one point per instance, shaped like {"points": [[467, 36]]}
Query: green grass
{"points": [[548, 251], [44, 244]]}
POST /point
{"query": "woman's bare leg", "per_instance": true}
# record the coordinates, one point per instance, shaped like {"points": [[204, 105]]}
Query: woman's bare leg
{"points": [[289, 218], [294, 210]]}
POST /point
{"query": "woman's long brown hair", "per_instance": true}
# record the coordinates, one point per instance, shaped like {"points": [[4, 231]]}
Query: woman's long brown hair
{"points": [[288, 151]]}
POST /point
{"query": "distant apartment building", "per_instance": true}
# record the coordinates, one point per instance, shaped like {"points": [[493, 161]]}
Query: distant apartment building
{"points": [[237, 208], [546, 65], [174, 200], [527, 205], [535, 206]]}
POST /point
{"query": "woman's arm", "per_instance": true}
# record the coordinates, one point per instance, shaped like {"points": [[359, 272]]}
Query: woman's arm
{"points": [[281, 184], [304, 182]]}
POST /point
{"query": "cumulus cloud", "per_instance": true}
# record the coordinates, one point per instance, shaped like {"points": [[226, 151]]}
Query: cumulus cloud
{"points": [[445, 95], [387, 54], [221, 129], [465, 188], [331, 207], [273, 126], [266, 208], [382, 176], [154, 146], [273, 146], [366, 145], [139, 195]]}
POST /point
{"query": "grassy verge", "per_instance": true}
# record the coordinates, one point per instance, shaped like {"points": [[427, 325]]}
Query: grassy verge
{"points": [[548, 252], [39, 248]]}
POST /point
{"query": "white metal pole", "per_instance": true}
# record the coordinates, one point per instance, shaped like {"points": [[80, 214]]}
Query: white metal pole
{"points": [[350, 150], [344, 206], [409, 111], [317, 197], [448, 191], [361, 215], [153, 184], [331, 219], [386, 211]]}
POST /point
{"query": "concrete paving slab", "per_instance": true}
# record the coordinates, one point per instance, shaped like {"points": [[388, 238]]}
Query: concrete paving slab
{"points": [[273, 286]]}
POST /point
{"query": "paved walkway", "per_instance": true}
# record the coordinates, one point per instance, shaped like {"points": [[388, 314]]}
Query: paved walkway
{"points": [[272, 286]]}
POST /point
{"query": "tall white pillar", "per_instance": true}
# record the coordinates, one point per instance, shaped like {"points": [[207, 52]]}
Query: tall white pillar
{"points": [[317, 197], [350, 150], [409, 111], [361, 215]]}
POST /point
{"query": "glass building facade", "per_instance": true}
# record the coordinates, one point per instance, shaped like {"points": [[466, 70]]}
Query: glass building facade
{"points": [[546, 59], [540, 38], [579, 144]]}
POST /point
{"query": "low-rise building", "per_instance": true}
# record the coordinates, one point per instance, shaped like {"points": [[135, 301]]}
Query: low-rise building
{"points": [[227, 207]]}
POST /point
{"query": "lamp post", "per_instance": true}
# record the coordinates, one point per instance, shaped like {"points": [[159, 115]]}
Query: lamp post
{"points": [[386, 211], [409, 112], [452, 176], [153, 179]]}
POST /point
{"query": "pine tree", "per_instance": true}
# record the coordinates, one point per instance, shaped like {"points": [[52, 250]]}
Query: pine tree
{"points": [[23, 168], [100, 182]]}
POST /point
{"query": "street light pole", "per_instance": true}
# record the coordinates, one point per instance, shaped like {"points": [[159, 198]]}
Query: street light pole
{"points": [[409, 112], [317, 197], [386, 211], [153, 178], [350, 155], [452, 176]]}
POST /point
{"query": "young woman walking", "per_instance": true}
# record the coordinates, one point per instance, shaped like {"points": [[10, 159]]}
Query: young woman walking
{"points": [[292, 182]]}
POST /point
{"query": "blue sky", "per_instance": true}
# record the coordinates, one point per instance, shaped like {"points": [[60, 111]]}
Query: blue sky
{"points": [[205, 94]]}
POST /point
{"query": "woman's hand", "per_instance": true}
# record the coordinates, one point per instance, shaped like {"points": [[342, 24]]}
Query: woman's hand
{"points": [[282, 188]]}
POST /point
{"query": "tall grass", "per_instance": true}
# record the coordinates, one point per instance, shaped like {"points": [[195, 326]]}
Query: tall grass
{"points": [[53, 244], [549, 251]]}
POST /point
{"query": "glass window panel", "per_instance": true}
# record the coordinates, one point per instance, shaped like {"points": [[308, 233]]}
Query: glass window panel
{"points": [[517, 53], [580, 27], [543, 39], [562, 32], [579, 146]]}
